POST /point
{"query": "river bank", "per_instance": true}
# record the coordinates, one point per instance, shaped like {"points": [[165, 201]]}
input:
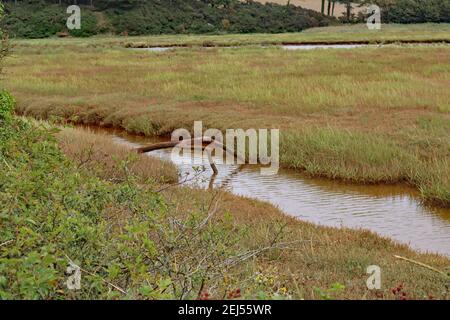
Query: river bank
{"points": [[344, 34], [377, 123], [309, 269], [162, 240]]}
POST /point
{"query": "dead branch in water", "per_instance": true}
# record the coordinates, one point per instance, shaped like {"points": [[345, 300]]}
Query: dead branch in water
{"points": [[211, 162], [158, 146], [206, 142]]}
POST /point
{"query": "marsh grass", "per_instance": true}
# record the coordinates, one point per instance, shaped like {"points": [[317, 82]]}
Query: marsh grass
{"points": [[345, 155], [425, 32], [372, 115], [319, 257], [96, 153]]}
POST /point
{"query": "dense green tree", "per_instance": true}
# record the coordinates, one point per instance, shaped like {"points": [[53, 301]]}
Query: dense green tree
{"points": [[330, 7], [413, 11], [3, 40], [44, 18], [348, 8]]}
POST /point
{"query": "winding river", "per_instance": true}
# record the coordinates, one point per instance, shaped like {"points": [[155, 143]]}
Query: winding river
{"points": [[393, 211]]}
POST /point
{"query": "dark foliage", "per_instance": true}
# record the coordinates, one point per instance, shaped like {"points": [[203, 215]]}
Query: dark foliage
{"points": [[418, 11], [43, 18], [413, 11]]}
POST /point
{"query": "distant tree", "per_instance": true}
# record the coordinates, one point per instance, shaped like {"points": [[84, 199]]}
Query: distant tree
{"points": [[220, 3], [349, 7], [413, 11], [330, 7], [4, 40], [118, 4], [45, 18]]}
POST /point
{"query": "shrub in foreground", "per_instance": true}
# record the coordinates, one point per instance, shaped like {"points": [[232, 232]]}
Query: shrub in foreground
{"points": [[127, 239]]}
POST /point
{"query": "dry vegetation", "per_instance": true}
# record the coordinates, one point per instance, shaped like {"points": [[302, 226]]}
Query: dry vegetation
{"points": [[367, 115], [316, 260], [348, 114], [389, 33], [106, 159]]}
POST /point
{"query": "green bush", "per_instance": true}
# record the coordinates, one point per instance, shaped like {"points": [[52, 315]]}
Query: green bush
{"points": [[40, 19], [414, 11], [129, 242], [34, 21], [6, 107], [88, 25]]}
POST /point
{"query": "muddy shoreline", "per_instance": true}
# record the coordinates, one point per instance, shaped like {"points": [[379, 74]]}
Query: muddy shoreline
{"points": [[392, 210], [162, 138]]}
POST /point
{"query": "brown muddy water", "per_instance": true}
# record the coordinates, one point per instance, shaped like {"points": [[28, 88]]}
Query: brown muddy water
{"points": [[394, 211]]}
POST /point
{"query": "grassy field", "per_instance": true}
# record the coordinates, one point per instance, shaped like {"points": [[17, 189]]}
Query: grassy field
{"points": [[371, 115], [320, 263], [367, 115], [102, 208], [359, 33]]}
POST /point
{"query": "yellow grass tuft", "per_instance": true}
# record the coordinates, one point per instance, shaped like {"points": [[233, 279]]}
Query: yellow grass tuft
{"points": [[96, 153]]}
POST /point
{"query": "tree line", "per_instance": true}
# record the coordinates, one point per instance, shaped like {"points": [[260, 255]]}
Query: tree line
{"points": [[44, 18], [394, 11]]}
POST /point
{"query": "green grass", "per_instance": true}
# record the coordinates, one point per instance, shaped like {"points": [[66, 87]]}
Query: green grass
{"points": [[346, 114], [427, 32], [133, 242]]}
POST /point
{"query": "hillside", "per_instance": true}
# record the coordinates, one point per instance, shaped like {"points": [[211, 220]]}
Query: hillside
{"points": [[40, 19], [392, 11], [339, 9]]}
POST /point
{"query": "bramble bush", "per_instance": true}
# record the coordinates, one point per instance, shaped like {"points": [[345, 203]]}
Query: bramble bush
{"points": [[6, 107], [127, 239]]}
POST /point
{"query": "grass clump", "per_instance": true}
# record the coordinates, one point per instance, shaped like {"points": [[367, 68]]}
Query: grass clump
{"points": [[126, 237], [374, 123], [7, 103], [344, 155], [434, 182], [108, 161], [135, 243]]}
